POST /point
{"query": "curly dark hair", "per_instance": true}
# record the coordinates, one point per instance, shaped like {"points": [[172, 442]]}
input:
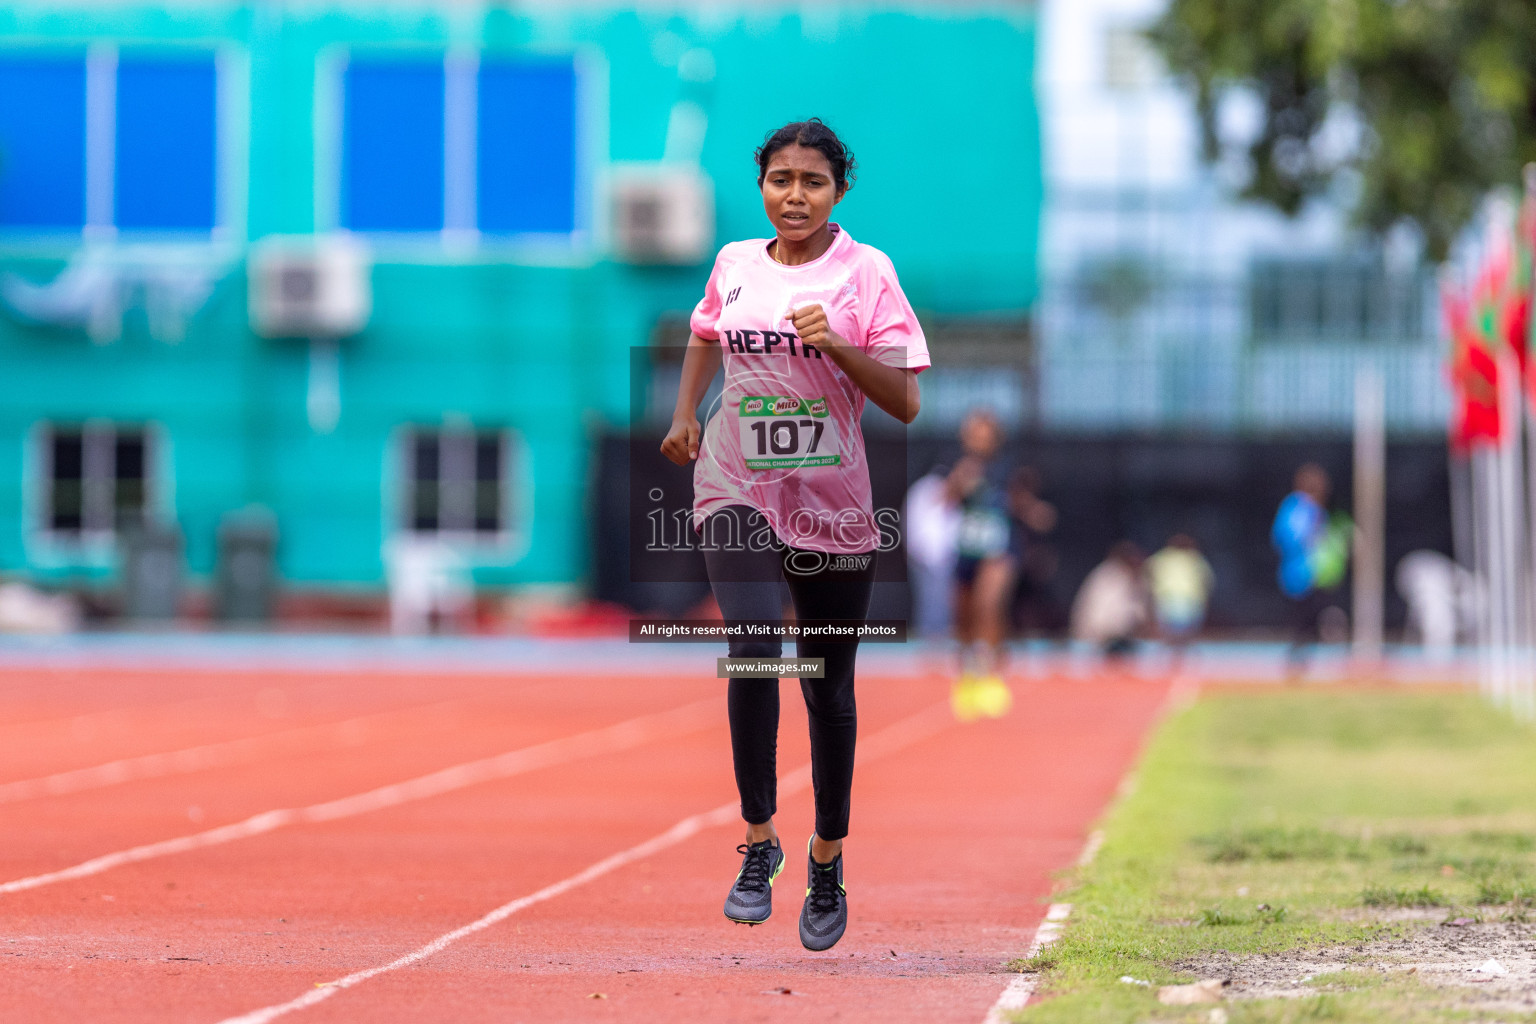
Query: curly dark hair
{"points": [[813, 134]]}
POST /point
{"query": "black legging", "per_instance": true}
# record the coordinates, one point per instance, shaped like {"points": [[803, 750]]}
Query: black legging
{"points": [[746, 586]]}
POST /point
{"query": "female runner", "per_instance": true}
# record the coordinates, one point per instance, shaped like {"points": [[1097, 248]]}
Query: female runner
{"points": [[809, 324]]}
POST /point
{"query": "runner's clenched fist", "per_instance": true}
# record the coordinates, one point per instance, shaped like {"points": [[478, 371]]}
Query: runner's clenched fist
{"points": [[682, 441], [811, 324]]}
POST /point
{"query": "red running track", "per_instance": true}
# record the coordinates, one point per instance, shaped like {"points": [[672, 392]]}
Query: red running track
{"points": [[957, 831]]}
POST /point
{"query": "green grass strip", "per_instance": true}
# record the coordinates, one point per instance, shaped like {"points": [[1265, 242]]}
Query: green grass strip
{"points": [[1269, 821]]}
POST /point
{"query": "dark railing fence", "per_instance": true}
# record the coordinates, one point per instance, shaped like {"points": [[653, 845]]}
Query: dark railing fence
{"points": [[1165, 429], [1222, 490]]}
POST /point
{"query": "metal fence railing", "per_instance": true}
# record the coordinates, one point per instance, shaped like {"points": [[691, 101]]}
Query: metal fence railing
{"points": [[1269, 389], [1105, 386]]}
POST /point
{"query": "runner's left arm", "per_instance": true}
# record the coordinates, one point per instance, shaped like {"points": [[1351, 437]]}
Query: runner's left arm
{"points": [[892, 388], [701, 361]]}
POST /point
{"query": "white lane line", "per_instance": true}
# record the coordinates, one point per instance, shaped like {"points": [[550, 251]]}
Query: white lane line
{"points": [[204, 757], [1017, 993], [1091, 848], [903, 733], [90, 721], [623, 736]]}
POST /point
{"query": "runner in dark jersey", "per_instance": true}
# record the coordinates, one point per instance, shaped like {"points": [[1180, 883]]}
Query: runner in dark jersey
{"points": [[984, 570]]}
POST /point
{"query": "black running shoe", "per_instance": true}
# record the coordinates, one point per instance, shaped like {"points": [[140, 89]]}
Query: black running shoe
{"points": [[751, 897], [825, 914]]}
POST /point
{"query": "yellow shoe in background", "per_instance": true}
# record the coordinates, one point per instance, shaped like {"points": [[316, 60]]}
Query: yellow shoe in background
{"points": [[962, 698], [991, 697]]}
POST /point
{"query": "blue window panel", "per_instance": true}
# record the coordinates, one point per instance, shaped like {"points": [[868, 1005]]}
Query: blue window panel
{"points": [[527, 147], [167, 143], [42, 142], [392, 150]]}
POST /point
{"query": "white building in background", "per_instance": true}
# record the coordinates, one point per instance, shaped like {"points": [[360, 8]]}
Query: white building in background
{"points": [[1167, 304]]}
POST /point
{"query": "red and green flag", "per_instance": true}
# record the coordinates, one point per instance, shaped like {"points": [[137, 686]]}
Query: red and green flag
{"points": [[1520, 325], [1474, 369]]}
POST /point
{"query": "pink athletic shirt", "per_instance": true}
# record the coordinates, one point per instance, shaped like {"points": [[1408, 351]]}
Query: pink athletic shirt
{"points": [[785, 438]]}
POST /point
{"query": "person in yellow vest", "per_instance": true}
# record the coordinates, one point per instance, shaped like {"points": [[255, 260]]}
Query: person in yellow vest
{"points": [[1181, 581]]}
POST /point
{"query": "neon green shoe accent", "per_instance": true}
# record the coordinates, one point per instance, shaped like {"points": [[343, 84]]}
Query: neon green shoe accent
{"points": [[773, 877]]}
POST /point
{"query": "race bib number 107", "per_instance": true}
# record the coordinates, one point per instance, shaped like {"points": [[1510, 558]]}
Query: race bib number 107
{"points": [[780, 432]]}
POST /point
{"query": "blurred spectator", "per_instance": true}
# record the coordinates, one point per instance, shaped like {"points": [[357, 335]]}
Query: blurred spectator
{"points": [[1313, 552], [1181, 581], [1111, 606], [984, 568], [933, 525], [1440, 595], [1034, 519]]}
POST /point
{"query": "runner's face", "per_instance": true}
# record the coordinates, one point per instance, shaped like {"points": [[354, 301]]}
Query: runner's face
{"points": [[799, 192]]}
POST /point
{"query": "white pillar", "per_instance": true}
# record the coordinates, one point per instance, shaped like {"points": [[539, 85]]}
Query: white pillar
{"points": [[1370, 512]]}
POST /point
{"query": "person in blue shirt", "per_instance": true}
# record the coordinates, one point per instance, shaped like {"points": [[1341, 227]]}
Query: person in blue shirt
{"points": [[1301, 536]]}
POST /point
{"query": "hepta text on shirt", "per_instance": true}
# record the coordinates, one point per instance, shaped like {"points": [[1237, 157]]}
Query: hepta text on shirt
{"points": [[765, 342]]}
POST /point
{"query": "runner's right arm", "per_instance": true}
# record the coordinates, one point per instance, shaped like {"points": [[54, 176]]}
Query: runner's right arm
{"points": [[701, 361]]}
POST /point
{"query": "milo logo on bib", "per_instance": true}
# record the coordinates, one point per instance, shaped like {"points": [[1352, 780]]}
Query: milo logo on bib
{"points": [[784, 432]]}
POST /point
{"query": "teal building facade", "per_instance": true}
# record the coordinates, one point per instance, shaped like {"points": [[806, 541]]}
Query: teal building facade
{"points": [[147, 152]]}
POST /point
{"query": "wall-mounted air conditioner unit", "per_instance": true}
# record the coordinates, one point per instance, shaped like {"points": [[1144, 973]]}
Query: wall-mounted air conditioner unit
{"points": [[662, 214], [309, 286]]}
